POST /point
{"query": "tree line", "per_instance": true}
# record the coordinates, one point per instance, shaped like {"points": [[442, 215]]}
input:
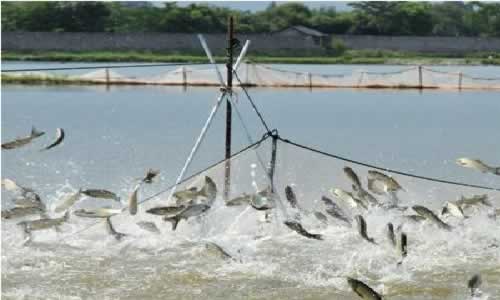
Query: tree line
{"points": [[375, 18]]}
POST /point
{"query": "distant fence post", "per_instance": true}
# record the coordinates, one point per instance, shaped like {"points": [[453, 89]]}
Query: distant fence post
{"points": [[184, 76], [107, 76], [420, 80], [361, 78], [309, 78], [460, 75]]}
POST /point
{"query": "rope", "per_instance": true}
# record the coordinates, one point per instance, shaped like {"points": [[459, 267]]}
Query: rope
{"points": [[256, 144], [103, 67], [386, 169], [198, 141], [392, 72], [252, 103]]}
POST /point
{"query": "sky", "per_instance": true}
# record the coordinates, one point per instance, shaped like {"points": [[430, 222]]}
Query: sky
{"points": [[261, 5]]}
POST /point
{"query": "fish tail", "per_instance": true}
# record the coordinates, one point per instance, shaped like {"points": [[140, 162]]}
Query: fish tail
{"points": [[174, 221]]}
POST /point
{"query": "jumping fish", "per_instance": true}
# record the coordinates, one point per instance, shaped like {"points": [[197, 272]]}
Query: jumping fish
{"points": [[69, 201], [297, 227], [290, 196], [348, 198], [215, 250], [321, 217], [414, 218], [429, 215], [166, 211], [190, 211], [478, 165], [28, 197], [334, 210], [403, 245], [363, 195], [19, 212], [244, 199], [390, 234], [132, 201], [473, 284], [352, 176], [99, 193], [150, 175], [187, 196], [19, 142], [44, 223], [59, 139], [453, 209], [475, 200], [103, 212], [263, 200], [362, 290], [111, 230], [362, 229], [389, 183], [148, 226]]}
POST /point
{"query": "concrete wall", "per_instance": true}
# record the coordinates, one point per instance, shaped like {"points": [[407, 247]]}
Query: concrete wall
{"points": [[261, 43]]}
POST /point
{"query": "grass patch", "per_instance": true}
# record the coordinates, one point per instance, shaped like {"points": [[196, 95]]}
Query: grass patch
{"points": [[347, 57]]}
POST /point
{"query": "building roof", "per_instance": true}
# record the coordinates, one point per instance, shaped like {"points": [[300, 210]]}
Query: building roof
{"points": [[307, 30]]}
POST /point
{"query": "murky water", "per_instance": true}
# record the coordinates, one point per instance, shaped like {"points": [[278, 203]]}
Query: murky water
{"points": [[114, 135]]}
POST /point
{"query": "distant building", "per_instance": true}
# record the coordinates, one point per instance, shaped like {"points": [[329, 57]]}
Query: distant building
{"points": [[305, 32]]}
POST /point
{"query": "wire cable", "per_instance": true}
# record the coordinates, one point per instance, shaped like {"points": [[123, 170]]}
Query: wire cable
{"points": [[387, 169], [102, 67]]}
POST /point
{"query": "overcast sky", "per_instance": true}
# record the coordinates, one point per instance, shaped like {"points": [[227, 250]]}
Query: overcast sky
{"points": [[261, 5]]}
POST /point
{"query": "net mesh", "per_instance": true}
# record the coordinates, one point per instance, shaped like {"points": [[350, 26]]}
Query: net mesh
{"points": [[267, 76]]}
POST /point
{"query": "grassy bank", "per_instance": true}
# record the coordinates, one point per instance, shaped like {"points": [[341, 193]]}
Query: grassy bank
{"points": [[348, 57]]}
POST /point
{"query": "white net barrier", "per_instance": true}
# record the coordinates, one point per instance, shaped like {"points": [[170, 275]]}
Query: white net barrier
{"points": [[268, 76]]}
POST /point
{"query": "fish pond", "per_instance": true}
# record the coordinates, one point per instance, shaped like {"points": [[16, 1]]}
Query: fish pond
{"points": [[114, 134]]}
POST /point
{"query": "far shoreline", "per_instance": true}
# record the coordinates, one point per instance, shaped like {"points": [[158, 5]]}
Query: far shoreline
{"points": [[349, 57]]}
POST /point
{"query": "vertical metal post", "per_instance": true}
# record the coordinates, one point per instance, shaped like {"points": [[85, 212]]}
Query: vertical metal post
{"points": [[273, 161], [309, 78], [420, 79], [460, 80], [184, 76], [107, 76], [229, 66]]}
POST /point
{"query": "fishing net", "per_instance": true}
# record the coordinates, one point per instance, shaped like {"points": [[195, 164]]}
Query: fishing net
{"points": [[266, 76]]}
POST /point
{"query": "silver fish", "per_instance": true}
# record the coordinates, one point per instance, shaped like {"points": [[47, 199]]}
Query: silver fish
{"points": [[69, 201], [403, 245], [45, 223], [389, 183], [297, 227], [19, 142], [477, 165], [466, 202], [208, 191], [363, 195], [97, 212], [352, 176], [362, 228], [132, 201], [290, 196], [362, 290], [348, 198], [244, 199], [263, 200], [473, 284], [111, 230], [99, 193], [215, 250], [148, 226], [59, 139], [150, 175], [429, 215], [190, 211], [453, 209], [321, 217], [166, 211], [415, 218], [390, 234], [335, 211], [19, 212]]}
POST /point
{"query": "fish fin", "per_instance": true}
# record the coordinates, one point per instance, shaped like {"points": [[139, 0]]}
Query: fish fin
{"points": [[174, 221], [35, 132]]}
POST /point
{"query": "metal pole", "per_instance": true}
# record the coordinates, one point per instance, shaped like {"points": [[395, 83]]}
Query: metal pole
{"points": [[420, 79], [460, 80], [229, 66], [273, 161]]}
